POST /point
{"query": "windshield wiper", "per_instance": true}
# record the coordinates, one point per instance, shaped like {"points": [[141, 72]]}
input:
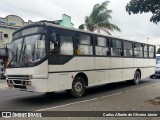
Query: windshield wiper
{"points": [[14, 55], [23, 55]]}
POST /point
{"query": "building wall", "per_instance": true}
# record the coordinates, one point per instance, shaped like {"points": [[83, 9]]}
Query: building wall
{"points": [[7, 26], [6, 31], [66, 21]]}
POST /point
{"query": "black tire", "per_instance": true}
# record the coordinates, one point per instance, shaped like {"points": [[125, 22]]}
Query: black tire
{"points": [[135, 81], [3, 77], [78, 87], [137, 78], [152, 76]]}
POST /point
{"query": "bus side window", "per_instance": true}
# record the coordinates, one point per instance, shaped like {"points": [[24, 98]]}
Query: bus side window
{"points": [[102, 46], [66, 45], [54, 48], [84, 45], [116, 47], [54, 44], [151, 51], [61, 45], [138, 50], [146, 51], [127, 49]]}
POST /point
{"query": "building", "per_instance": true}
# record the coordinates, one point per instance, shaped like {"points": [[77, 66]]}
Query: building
{"points": [[66, 21], [7, 26]]}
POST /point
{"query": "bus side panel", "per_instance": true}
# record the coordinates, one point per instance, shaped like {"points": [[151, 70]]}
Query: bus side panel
{"points": [[116, 75], [151, 62], [128, 69], [107, 76], [128, 74], [116, 69], [102, 63], [116, 62], [60, 81], [53, 82], [39, 85], [138, 62], [144, 72], [102, 77], [151, 71], [69, 66], [84, 63]]}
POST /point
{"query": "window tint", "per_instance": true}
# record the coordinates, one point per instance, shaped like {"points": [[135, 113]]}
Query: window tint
{"points": [[116, 47], [138, 50], [151, 51], [102, 46], [6, 35], [127, 48], [116, 43], [101, 41], [84, 39], [85, 46], [63, 46], [146, 51], [66, 45]]}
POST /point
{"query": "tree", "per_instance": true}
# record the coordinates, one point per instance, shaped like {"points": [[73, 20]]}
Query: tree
{"points": [[158, 51], [99, 19], [144, 6]]}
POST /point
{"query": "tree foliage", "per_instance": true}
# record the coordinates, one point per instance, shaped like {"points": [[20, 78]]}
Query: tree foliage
{"points": [[144, 6], [158, 51], [99, 19]]}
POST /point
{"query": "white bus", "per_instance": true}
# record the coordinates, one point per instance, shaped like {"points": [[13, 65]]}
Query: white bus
{"points": [[47, 58]]}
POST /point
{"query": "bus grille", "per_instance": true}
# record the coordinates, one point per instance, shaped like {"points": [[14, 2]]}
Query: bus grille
{"points": [[17, 81], [15, 77]]}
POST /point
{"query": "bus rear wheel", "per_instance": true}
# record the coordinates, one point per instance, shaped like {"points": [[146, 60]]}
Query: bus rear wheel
{"points": [[78, 87], [137, 78]]}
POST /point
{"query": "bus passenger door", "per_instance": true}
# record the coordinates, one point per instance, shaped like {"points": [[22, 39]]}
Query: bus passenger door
{"points": [[61, 59]]}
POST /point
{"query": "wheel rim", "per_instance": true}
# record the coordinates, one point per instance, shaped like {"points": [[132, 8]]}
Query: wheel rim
{"points": [[78, 87]]}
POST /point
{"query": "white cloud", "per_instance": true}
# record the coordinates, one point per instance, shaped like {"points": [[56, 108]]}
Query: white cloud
{"points": [[134, 27]]}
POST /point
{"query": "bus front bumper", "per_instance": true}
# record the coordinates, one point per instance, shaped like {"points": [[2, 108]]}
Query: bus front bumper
{"points": [[26, 84]]}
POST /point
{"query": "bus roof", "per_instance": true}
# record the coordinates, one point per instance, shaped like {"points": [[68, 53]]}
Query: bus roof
{"points": [[49, 23]]}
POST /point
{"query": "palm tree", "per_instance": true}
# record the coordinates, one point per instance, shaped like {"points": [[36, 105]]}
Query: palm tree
{"points": [[99, 19]]}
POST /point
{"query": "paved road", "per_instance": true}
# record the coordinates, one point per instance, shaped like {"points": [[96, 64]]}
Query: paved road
{"points": [[28, 101]]}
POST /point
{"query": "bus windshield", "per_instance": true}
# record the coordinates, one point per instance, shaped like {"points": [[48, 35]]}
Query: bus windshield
{"points": [[26, 51]]}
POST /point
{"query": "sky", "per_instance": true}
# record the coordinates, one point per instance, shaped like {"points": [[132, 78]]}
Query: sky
{"points": [[133, 27]]}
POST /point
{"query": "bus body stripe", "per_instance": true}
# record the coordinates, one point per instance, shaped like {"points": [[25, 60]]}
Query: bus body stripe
{"points": [[101, 69]]}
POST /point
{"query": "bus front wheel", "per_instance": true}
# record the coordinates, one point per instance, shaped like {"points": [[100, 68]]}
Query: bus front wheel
{"points": [[78, 87]]}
